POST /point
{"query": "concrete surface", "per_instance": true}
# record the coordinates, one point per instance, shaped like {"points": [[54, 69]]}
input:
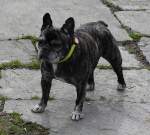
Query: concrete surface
{"points": [[131, 4], [25, 17], [128, 60], [136, 20], [109, 112], [21, 50], [145, 47]]}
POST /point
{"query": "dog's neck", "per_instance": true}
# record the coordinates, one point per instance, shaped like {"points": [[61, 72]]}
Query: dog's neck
{"points": [[71, 51]]}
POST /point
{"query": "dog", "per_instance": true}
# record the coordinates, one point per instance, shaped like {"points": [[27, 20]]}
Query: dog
{"points": [[72, 55]]}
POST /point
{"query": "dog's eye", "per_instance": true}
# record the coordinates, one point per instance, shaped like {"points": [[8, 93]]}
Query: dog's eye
{"points": [[56, 44], [42, 44]]}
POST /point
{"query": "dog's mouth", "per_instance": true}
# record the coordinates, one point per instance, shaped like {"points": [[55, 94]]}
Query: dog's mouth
{"points": [[53, 61]]}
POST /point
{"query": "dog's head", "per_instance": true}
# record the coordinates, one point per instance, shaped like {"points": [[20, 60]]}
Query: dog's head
{"points": [[54, 43]]}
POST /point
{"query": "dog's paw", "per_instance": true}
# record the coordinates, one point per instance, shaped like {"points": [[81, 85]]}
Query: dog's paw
{"points": [[38, 108], [77, 116], [121, 87]]}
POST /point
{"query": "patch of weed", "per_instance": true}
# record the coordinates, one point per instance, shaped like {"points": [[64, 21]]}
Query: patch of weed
{"points": [[51, 98], [136, 36], [33, 38], [89, 99], [113, 7], [11, 64], [35, 98], [35, 64], [13, 124], [104, 66], [0, 74], [3, 98]]}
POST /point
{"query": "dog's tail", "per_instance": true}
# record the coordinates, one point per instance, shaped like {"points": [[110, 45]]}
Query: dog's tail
{"points": [[103, 23]]}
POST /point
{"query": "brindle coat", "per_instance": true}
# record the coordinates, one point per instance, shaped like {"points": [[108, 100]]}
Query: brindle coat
{"points": [[95, 41]]}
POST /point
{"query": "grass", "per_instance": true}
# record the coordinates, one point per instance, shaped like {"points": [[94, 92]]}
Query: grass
{"points": [[35, 64], [147, 67], [89, 99], [104, 66], [33, 38], [112, 6], [0, 74], [37, 98], [102, 98], [131, 49], [136, 36], [3, 98], [51, 98], [12, 124]]}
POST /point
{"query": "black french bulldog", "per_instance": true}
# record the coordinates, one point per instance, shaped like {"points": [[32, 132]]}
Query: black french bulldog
{"points": [[72, 56]]}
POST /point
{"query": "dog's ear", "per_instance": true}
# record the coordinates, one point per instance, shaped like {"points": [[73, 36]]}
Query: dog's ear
{"points": [[47, 21], [69, 26]]}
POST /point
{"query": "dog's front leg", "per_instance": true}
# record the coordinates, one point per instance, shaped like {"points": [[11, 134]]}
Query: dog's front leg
{"points": [[46, 86], [77, 113]]}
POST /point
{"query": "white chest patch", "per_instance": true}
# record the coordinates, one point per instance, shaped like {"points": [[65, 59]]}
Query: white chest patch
{"points": [[54, 67]]}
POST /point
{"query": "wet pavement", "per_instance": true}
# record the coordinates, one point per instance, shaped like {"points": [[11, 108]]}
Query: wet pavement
{"points": [[107, 112]]}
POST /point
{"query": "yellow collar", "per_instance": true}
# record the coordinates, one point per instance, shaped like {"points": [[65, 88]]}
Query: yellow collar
{"points": [[76, 41]]}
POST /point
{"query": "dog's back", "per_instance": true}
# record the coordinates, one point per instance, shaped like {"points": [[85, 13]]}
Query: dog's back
{"points": [[101, 35]]}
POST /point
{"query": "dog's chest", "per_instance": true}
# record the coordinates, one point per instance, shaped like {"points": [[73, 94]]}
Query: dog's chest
{"points": [[55, 68]]}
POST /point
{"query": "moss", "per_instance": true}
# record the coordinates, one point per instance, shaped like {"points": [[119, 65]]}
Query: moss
{"points": [[51, 98], [33, 38], [34, 64], [131, 50], [104, 66], [0, 74], [112, 6], [35, 98], [12, 64], [3, 98], [13, 124], [89, 99], [147, 67], [136, 36], [102, 98]]}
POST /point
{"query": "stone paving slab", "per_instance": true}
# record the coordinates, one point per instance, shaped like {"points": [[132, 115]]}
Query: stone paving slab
{"points": [[26, 83], [21, 50], [131, 4], [136, 20], [17, 20], [128, 60], [101, 118], [144, 45]]}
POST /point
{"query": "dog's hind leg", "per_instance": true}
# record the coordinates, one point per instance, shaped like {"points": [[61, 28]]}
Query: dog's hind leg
{"points": [[90, 84], [116, 63]]}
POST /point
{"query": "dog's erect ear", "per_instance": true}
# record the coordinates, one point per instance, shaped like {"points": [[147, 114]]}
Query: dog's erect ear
{"points": [[69, 25], [47, 21]]}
